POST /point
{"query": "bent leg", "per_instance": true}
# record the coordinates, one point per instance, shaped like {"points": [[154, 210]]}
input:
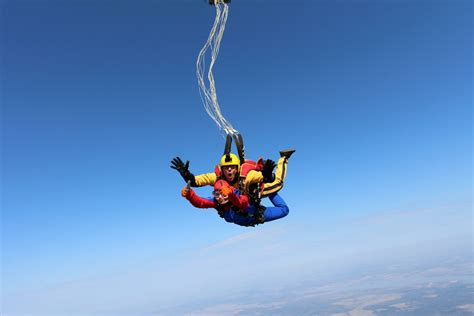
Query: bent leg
{"points": [[279, 210], [280, 174]]}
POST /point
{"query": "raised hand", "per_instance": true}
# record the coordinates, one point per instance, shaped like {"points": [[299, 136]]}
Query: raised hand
{"points": [[267, 170]]}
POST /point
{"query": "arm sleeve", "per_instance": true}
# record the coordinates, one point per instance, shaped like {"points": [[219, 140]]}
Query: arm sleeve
{"points": [[205, 179], [198, 201], [252, 177], [241, 201]]}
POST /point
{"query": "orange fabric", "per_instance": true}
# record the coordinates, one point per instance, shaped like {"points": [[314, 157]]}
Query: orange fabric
{"points": [[184, 192], [226, 190], [224, 187]]}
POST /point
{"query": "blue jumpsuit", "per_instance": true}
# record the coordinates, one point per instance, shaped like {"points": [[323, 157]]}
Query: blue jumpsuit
{"points": [[278, 210]]}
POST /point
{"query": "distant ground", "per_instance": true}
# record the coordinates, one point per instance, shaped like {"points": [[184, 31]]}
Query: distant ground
{"points": [[449, 298], [437, 289]]}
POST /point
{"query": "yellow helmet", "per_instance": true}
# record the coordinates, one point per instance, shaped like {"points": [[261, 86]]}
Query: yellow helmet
{"points": [[230, 160]]}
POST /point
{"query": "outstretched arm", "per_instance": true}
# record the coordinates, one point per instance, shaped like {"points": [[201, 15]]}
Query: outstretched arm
{"points": [[196, 200], [196, 181], [183, 169], [205, 179]]}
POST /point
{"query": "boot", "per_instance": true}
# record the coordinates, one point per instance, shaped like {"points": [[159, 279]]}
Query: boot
{"points": [[287, 153]]}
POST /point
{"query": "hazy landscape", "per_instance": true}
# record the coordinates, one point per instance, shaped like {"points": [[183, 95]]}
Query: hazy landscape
{"points": [[431, 289]]}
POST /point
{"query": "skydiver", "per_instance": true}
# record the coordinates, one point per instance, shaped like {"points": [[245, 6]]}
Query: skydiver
{"points": [[229, 169], [236, 208]]}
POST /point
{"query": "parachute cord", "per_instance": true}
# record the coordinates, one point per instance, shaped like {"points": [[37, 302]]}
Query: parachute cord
{"points": [[209, 94]]}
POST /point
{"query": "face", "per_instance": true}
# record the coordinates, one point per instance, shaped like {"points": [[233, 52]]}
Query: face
{"points": [[229, 172], [221, 199]]}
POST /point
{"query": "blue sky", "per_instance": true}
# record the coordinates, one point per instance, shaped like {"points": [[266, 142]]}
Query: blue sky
{"points": [[98, 97]]}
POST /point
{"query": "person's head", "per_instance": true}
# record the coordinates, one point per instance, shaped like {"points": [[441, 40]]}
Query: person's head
{"points": [[230, 167], [217, 193]]}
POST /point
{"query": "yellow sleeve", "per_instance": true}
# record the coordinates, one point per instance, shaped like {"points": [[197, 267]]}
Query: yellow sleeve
{"points": [[205, 179], [252, 177]]}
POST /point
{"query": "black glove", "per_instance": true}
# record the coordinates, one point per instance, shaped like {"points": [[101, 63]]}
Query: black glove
{"points": [[267, 170], [182, 168]]}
